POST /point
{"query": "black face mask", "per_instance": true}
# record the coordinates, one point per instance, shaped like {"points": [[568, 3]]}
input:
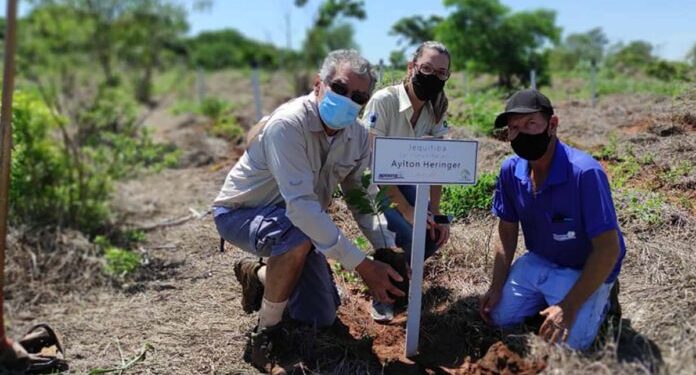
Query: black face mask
{"points": [[427, 87], [531, 146]]}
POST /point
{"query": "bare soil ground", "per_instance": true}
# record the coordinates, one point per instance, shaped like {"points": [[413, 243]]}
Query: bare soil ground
{"points": [[185, 301]]}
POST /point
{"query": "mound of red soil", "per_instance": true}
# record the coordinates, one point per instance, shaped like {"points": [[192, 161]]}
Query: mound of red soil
{"points": [[501, 360], [389, 342]]}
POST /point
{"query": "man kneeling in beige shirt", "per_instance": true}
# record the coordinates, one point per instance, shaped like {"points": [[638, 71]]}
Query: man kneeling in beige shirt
{"points": [[273, 205]]}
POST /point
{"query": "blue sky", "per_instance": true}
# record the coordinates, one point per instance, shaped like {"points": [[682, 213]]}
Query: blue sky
{"points": [[667, 24]]}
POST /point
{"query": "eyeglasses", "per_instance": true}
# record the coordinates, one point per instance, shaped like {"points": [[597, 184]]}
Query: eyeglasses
{"points": [[427, 69], [341, 88]]}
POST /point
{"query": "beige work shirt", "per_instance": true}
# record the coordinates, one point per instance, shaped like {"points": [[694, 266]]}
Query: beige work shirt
{"points": [[389, 112], [291, 160]]}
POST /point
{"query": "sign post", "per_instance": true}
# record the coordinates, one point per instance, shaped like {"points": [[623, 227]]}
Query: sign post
{"points": [[421, 162]]}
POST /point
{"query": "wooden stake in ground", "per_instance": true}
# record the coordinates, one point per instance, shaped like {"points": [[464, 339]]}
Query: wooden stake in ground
{"points": [[6, 147]]}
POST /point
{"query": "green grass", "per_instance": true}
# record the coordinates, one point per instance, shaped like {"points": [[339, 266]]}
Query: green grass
{"points": [[577, 85], [477, 110], [460, 200], [622, 172], [675, 172], [636, 205]]}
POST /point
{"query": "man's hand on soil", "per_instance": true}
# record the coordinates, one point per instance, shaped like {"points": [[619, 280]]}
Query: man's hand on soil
{"points": [[488, 302], [559, 320], [377, 277]]}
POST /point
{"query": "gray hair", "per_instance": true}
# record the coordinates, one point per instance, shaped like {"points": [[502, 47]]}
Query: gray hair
{"points": [[358, 64]]}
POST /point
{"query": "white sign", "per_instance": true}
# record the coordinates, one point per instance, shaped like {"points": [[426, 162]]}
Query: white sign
{"points": [[411, 161], [422, 162]]}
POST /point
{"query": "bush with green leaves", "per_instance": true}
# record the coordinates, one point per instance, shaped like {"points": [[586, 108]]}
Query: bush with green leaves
{"points": [[669, 70], [220, 114], [460, 200], [228, 48], [65, 179], [40, 168], [120, 262]]}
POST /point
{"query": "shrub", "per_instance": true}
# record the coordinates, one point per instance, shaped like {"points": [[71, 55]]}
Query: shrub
{"points": [[68, 183], [222, 122], [120, 262], [45, 187], [459, 200], [668, 70], [214, 108]]}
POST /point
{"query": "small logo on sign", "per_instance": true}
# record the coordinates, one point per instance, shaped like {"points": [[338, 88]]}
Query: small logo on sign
{"points": [[390, 176]]}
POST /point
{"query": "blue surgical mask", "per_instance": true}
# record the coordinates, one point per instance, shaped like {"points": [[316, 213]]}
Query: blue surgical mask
{"points": [[337, 111]]}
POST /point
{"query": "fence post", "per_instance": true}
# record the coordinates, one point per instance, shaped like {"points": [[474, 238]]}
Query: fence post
{"points": [[532, 78], [200, 84], [466, 83], [593, 82], [257, 89]]}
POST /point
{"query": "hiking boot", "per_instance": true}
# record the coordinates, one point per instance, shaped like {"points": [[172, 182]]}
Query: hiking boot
{"points": [[261, 348], [245, 270]]}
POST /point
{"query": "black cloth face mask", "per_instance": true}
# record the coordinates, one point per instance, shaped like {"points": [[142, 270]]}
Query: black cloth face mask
{"points": [[531, 146], [426, 87]]}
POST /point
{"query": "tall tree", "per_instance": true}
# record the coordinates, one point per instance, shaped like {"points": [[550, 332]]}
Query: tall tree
{"points": [[415, 30], [151, 32], [632, 57], [135, 33], [397, 59], [486, 36], [331, 29], [691, 56], [580, 47]]}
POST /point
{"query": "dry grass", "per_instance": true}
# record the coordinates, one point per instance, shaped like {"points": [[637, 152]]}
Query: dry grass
{"points": [[186, 303]]}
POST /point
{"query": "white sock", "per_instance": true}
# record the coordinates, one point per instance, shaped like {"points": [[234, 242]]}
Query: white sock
{"points": [[271, 313], [261, 273]]}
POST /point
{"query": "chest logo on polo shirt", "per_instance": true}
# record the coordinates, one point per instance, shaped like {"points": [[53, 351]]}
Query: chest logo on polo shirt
{"points": [[564, 237]]}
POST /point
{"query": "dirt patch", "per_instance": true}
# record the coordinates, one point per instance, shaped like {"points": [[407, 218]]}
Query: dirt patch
{"points": [[499, 360]]}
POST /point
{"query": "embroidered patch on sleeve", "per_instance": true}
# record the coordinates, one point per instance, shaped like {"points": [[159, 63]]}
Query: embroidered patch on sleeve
{"points": [[372, 119]]}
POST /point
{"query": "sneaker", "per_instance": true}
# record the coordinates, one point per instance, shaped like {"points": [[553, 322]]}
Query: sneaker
{"points": [[261, 348], [382, 312], [245, 270]]}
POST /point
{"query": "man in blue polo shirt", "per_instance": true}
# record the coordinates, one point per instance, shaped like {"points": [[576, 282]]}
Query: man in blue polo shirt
{"points": [[561, 198]]}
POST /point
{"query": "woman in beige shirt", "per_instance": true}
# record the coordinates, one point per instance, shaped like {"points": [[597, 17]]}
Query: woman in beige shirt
{"points": [[414, 108]]}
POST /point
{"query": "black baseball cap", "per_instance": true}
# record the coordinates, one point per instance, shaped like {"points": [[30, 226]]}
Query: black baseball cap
{"points": [[524, 101]]}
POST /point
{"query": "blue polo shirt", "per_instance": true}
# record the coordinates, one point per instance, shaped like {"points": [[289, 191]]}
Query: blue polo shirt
{"points": [[573, 206]]}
